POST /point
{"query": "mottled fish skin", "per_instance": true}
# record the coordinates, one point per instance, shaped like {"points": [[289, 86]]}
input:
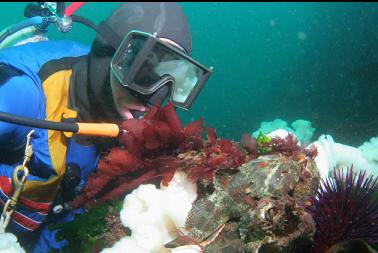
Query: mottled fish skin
{"points": [[227, 241], [227, 201], [269, 181], [266, 176]]}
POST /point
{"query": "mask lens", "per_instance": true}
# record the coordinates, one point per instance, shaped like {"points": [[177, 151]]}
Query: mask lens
{"points": [[163, 61], [143, 63], [126, 55], [185, 73]]}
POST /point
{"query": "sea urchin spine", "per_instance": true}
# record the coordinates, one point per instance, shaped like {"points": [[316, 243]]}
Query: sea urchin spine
{"points": [[344, 209]]}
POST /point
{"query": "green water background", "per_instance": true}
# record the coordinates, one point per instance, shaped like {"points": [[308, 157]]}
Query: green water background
{"points": [[314, 61]]}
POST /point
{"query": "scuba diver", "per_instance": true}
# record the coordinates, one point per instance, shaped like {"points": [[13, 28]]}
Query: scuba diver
{"points": [[141, 56]]}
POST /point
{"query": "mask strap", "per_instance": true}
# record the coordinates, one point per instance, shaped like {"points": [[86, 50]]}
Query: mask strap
{"points": [[107, 33]]}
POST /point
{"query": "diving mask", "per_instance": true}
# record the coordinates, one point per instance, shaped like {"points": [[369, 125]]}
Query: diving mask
{"points": [[144, 63]]}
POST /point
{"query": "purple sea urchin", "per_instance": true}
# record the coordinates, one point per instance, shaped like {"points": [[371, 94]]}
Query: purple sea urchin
{"points": [[344, 209]]}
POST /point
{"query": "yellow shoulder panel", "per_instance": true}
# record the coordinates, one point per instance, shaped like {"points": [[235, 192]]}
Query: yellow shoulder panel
{"points": [[56, 89]]}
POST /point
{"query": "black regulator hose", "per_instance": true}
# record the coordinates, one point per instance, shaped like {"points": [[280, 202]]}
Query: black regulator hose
{"points": [[38, 123], [84, 21], [94, 129]]}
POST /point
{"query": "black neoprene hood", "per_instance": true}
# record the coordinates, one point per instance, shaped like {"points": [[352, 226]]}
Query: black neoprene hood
{"points": [[166, 19]]}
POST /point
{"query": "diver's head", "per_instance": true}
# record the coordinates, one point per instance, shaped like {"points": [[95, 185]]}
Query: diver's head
{"points": [[147, 47], [166, 19]]}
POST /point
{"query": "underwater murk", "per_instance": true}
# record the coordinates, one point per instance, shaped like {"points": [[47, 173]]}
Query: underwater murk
{"points": [[232, 175]]}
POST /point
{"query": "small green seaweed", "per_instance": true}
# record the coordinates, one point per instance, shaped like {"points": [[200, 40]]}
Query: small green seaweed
{"points": [[82, 233], [264, 144]]}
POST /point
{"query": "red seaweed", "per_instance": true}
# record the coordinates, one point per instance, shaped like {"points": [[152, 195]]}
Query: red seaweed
{"points": [[249, 143], [154, 148], [288, 146]]}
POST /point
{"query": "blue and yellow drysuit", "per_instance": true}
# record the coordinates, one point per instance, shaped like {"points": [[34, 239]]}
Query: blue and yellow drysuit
{"points": [[35, 82]]}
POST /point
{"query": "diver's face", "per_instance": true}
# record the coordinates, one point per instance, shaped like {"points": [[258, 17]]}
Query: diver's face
{"points": [[124, 101]]}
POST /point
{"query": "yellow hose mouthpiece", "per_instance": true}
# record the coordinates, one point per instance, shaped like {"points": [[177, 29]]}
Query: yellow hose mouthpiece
{"points": [[98, 129]]}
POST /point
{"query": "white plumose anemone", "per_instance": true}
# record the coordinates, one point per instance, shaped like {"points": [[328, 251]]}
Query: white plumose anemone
{"points": [[155, 215], [9, 244]]}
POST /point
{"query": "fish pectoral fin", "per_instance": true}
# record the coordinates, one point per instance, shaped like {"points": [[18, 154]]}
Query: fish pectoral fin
{"points": [[204, 219], [183, 239], [201, 211], [175, 243], [212, 237]]}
